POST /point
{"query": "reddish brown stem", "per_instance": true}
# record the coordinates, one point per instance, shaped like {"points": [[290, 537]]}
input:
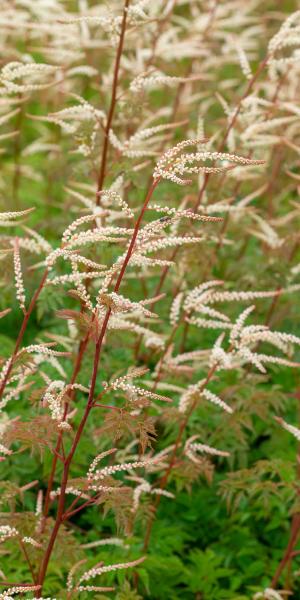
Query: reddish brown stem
{"points": [[27, 558], [220, 149], [22, 331], [100, 182], [289, 549], [82, 348], [64, 481], [164, 480], [102, 169]]}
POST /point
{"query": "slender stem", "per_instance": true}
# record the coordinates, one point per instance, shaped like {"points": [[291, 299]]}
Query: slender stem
{"points": [[103, 162], [220, 149], [100, 182], [22, 331], [64, 481], [27, 558], [165, 478], [82, 348], [289, 550]]}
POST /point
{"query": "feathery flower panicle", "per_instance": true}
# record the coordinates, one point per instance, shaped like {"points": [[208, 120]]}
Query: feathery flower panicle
{"points": [[209, 323], [107, 542], [145, 488], [76, 277], [200, 294], [44, 245], [290, 428], [184, 213], [172, 164], [190, 394], [113, 196], [137, 10], [107, 568], [12, 216], [243, 60], [39, 503], [97, 459], [20, 589], [20, 289], [42, 349], [70, 255], [69, 490], [191, 448], [101, 474], [268, 594], [147, 82], [134, 390], [7, 532], [69, 232], [118, 303], [239, 324], [208, 395], [175, 308], [31, 71]]}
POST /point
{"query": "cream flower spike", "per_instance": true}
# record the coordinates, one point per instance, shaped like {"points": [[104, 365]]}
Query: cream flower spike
{"points": [[173, 164]]}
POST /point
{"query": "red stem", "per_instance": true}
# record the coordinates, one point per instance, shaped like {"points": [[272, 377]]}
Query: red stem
{"points": [[112, 105], [22, 331], [89, 405], [164, 480]]}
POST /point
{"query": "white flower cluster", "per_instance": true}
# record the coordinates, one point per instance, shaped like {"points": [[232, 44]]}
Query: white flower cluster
{"points": [[288, 34], [145, 488], [135, 391], [268, 594], [111, 195], [7, 532], [56, 402], [137, 10], [195, 392], [110, 23], [107, 542], [190, 394], [32, 71], [242, 339], [107, 568], [244, 62], [42, 349], [72, 256], [69, 232], [100, 474], [20, 290], [171, 165], [266, 233], [189, 214], [175, 308], [121, 322], [191, 448], [20, 589], [166, 242], [97, 459], [10, 217], [30, 540], [290, 428], [70, 489], [214, 399], [147, 82], [142, 143], [76, 114]]}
